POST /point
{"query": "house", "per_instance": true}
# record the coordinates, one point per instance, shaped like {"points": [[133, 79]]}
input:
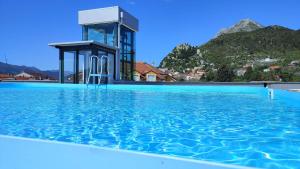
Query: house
{"points": [[294, 63], [30, 76], [146, 72], [39, 76], [108, 37], [274, 68], [241, 71], [24, 76], [194, 74], [6, 77]]}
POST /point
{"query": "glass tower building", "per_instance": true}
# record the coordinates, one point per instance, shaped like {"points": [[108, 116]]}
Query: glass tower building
{"points": [[105, 31]]}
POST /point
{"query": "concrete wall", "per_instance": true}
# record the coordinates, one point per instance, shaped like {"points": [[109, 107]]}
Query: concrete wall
{"points": [[22, 153], [108, 15], [101, 15]]}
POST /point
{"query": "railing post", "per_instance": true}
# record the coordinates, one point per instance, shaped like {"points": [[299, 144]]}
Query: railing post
{"points": [[94, 65], [76, 67], [61, 66]]}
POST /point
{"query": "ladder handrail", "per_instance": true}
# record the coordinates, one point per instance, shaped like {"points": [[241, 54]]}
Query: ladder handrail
{"points": [[101, 70], [97, 70], [90, 67]]}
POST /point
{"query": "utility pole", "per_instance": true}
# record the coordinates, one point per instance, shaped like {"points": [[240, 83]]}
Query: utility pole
{"points": [[5, 58]]}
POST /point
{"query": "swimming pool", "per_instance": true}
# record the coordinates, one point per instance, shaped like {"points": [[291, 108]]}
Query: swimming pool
{"points": [[228, 124]]}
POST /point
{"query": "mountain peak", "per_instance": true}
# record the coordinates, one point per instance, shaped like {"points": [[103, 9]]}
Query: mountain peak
{"points": [[244, 25]]}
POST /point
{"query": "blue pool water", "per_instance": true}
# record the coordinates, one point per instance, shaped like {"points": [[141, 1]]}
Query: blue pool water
{"points": [[228, 124]]}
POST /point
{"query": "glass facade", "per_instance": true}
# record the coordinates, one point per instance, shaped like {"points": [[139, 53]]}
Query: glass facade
{"points": [[103, 33], [108, 34], [69, 72], [71, 75], [83, 65], [127, 53]]}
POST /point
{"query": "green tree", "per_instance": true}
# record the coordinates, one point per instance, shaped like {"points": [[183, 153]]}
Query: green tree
{"points": [[209, 76], [248, 74], [252, 74], [225, 74], [268, 76], [286, 76]]}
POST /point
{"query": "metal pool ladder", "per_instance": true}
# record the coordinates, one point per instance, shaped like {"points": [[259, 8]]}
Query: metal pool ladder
{"points": [[98, 62]]}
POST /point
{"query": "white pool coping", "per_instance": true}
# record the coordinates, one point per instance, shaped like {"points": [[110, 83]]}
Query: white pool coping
{"points": [[294, 90], [25, 153]]}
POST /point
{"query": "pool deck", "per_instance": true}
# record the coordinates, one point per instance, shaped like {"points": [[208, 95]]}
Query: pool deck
{"points": [[286, 86], [25, 153]]}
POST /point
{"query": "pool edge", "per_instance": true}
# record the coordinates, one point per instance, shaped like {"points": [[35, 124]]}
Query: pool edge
{"points": [[35, 153]]}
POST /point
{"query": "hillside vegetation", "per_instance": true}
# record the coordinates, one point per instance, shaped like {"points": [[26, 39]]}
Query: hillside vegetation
{"points": [[239, 49]]}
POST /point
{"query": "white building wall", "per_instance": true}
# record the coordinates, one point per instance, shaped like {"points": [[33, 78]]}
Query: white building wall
{"points": [[108, 15], [101, 15]]}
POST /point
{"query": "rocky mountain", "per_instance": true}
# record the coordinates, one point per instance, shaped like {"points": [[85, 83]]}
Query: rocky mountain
{"points": [[237, 49], [245, 25], [15, 69], [260, 47], [182, 56]]}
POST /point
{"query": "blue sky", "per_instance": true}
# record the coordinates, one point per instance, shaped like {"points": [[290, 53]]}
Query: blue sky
{"points": [[28, 26]]}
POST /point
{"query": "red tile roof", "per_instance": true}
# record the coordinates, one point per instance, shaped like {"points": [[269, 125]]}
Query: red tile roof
{"points": [[144, 68]]}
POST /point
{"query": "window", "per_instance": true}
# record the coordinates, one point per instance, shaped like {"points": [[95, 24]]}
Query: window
{"points": [[151, 78], [136, 77]]}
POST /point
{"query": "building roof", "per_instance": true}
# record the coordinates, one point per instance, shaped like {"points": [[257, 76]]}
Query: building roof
{"points": [[80, 43], [108, 15], [23, 74], [144, 68]]}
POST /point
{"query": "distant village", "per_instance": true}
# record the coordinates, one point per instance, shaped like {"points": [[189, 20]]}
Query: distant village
{"points": [[143, 72], [149, 73], [24, 76], [264, 66]]}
